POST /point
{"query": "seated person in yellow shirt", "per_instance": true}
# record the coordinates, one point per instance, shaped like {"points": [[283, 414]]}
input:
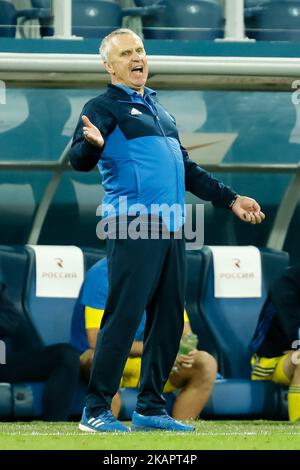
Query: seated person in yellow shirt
{"points": [[193, 373], [276, 339]]}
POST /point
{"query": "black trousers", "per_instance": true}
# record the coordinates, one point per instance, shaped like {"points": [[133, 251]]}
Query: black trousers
{"points": [[143, 274], [57, 365]]}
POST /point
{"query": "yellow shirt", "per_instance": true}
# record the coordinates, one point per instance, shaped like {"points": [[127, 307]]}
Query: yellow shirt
{"points": [[93, 317]]}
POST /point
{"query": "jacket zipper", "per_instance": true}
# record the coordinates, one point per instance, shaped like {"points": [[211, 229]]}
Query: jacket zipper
{"points": [[163, 133]]}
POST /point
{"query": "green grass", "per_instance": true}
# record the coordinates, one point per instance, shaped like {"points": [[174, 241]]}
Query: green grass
{"points": [[235, 435]]}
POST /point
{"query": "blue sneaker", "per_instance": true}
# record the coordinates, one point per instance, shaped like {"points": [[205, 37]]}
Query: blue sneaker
{"points": [[163, 422], [105, 422]]}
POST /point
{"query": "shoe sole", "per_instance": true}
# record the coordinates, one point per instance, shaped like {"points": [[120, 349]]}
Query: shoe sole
{"points": [[149, 429], [84, 428], [144, 429]]}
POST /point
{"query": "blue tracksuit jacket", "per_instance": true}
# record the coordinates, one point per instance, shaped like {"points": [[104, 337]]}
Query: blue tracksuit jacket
{"points": [[142, 158]]}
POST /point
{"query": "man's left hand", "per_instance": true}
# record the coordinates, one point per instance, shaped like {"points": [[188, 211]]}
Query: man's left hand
{"points": [[248, 210]]}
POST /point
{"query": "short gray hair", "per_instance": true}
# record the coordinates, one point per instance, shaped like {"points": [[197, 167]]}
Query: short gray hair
{"points": [[106, 42]]}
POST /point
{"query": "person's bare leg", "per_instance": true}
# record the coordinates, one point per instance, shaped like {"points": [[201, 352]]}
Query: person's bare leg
{"points": [[116, 405], [291, 367], [196, 383]]}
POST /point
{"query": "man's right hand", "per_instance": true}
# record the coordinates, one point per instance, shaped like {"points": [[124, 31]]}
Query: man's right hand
{"points": [[91, 133], [184, 360]]}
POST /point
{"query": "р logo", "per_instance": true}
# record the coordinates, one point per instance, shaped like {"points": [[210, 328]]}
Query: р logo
{"points": [[59, 262], [237, 263], [2, 352]]}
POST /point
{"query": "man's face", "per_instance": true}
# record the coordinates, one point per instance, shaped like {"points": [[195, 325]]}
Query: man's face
{"points": [[127, 62]]}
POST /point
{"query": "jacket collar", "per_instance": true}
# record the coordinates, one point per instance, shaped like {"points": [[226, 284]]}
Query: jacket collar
{"points": [[118, 92]]}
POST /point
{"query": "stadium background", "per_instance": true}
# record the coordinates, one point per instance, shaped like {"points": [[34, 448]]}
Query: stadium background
{"points": [[245, 118]]}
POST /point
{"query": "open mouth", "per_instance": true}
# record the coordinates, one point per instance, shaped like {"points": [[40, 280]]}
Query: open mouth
{"points": [[138, 69]]}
